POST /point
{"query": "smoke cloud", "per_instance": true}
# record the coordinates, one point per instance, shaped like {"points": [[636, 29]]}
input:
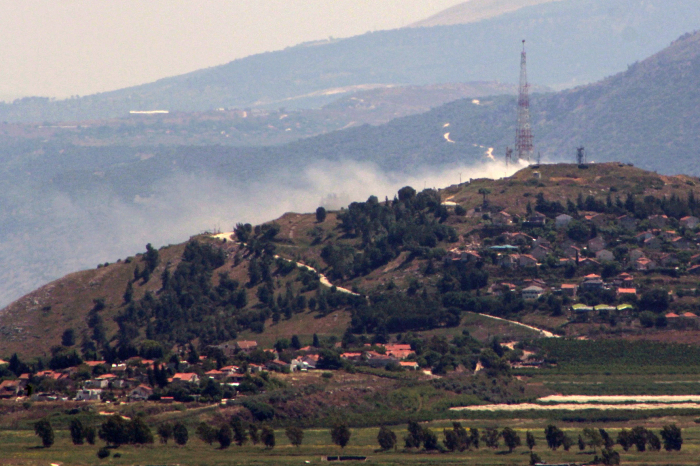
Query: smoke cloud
{"points": [[61, 234]]}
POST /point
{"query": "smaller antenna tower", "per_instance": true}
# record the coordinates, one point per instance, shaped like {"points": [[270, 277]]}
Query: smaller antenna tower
{"points": [[580, 155], [509, 156]]}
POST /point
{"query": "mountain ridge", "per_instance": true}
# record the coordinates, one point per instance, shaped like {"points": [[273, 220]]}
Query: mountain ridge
{"points": [[570, 48]]}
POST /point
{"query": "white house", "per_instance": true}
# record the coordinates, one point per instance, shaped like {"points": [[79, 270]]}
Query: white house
{"points": [[90, 394], [532, 292]]}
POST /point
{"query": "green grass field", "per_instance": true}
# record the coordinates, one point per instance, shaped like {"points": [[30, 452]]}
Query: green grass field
{"points": [[22, 448]]}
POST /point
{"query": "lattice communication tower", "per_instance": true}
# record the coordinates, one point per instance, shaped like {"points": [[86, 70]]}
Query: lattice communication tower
{"points": [[523, 135]]}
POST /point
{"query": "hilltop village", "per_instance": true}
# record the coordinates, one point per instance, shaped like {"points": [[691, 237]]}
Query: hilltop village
{"points": [[531, 249]]}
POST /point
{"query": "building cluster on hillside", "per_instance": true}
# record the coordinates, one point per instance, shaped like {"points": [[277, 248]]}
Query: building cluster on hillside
{"points": [[607, 254], [136, 379]]}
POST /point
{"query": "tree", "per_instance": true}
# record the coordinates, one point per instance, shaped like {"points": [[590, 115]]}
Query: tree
{"points": [[386, 438], [673, 438], [655, 300], [180, 434], [511, 439], [490, 437], [430, 440], [554, 436], [610, 457], [253, 433], [239, 431], [535, 459], [316, 343], [457, 438], [581, 443], [165, 432], [624, 439], [654, 442], [224, 436], [44, 431], [76, 431], [593, 438], [139, 432], [484, 192], [414, 439], [89, 433], [114, 431], [68, 337], [608, 442], [530, 440], [295, 435], [320, 215], [268, 437], [406, 193], [340, 433], [474, 437], [639, 437], [129, 292], [567, 442], [206, 433]]}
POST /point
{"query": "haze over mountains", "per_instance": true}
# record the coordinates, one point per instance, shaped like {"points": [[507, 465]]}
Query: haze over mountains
{"points": [[570, 41], [66, 204], [473, 11]]}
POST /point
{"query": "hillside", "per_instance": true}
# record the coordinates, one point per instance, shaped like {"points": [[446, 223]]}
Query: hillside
{"points": [[259, 127], [424, 265], [473, 11], [571, 42], [101, 201]]}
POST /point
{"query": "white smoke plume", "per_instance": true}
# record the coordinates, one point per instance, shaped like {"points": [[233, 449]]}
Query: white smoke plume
{"points": [[73, 235]]}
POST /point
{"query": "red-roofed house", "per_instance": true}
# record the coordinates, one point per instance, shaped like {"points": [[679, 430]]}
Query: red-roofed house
{"points": [[569, 289], [246, 346], [410, 365], [189, 377], [94, 363], [626, 292], [689, 222], [526, 260]]}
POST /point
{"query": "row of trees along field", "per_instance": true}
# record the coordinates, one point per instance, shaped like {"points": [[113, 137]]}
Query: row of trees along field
{"points": [[116, 431]]}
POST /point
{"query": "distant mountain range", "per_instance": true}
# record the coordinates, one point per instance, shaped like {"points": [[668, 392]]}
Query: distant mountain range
{"points": [[571, 42], [473, 11]]}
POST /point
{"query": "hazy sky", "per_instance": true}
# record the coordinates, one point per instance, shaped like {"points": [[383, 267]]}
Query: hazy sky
{"points": [[61, 48]]}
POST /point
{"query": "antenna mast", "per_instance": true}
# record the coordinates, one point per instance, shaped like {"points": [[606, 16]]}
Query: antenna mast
{"points": [[523, 135], [509, 156]]}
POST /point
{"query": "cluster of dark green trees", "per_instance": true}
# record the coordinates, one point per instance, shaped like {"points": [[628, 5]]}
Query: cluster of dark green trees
{"points": [[410, 222], [673, 207]]}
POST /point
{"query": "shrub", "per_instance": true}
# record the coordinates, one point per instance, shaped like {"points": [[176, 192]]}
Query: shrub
{"points": [[103, 453]]}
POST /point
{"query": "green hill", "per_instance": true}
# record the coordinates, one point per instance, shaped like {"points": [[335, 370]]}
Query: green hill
{"points": [[397, 256]]}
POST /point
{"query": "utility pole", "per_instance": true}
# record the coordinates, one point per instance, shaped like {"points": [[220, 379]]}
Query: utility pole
{"points": [[523, 135]]}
